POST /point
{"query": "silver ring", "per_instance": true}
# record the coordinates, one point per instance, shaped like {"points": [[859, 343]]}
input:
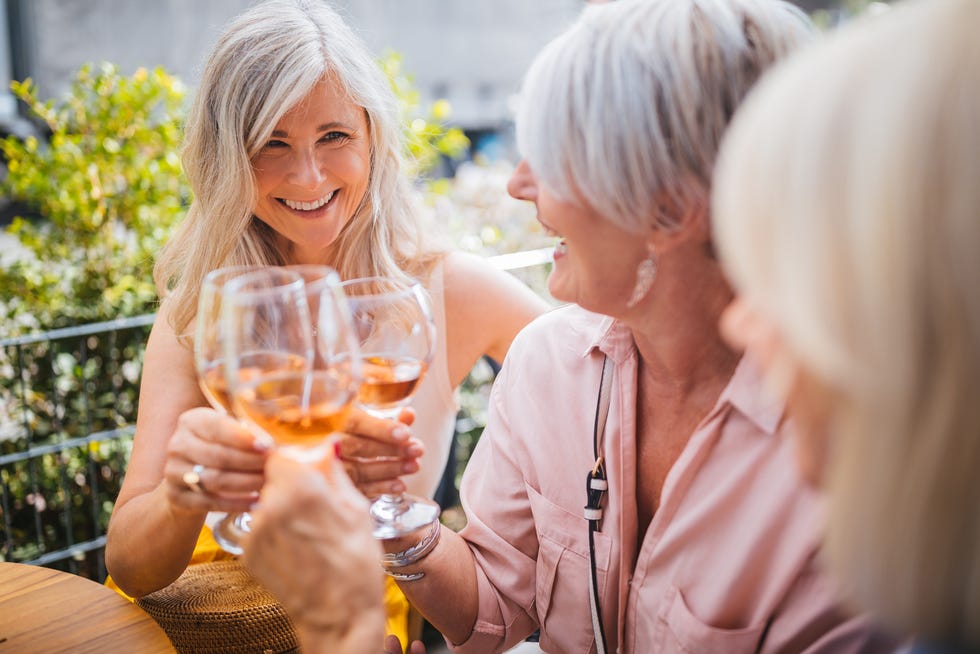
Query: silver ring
{"points": [[193, 478]]}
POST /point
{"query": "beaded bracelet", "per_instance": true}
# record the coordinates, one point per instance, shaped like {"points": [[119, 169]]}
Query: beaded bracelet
{"points": [[413, 554]]}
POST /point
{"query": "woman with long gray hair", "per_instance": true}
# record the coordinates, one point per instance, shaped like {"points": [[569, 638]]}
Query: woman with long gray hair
{"points": [[293, 150]]}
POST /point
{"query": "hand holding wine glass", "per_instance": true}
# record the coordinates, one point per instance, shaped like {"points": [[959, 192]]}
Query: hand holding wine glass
{"points": [[394, 325]]}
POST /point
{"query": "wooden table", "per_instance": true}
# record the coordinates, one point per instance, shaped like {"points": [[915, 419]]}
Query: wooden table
{"points": [[44, 611]]}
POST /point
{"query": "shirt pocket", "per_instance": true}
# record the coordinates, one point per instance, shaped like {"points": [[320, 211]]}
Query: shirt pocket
{"points": [[683, 632], [562, 573]]}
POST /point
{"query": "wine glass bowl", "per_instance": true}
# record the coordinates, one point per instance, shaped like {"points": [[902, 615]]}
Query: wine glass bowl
{"points": [[295, 408], [209, 364], [397, 334], [397, 337], [388, 384], [209, 358], [281, 385]]}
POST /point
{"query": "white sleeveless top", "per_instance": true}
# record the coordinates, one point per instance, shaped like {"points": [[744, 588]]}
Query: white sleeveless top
{"points": [[434, 402]]}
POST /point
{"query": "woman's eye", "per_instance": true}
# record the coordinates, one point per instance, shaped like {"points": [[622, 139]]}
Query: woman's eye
{"points": [[275, 143], [335, 136]]}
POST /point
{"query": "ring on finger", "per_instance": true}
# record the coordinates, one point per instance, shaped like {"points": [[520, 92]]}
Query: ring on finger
{"points": [[193, 478]]}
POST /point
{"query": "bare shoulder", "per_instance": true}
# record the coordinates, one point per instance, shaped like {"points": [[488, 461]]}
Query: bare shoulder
{"points": [[168, 370], [163, 339], [485, 309], [472, 281]]}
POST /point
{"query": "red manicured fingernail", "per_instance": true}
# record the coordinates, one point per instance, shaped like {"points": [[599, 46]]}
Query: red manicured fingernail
{"points": [[336, 450]]}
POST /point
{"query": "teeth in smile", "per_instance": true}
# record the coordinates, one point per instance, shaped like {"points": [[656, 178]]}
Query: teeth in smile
{"points": [[561, 247], [308, 206]]}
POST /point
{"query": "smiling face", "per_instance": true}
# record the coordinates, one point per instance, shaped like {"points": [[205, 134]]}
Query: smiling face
{"points": [[595, 260], [312, 173]]}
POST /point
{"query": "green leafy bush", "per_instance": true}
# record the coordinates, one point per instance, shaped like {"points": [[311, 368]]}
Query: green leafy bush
{"points": [[109, 187], [427, 136]]}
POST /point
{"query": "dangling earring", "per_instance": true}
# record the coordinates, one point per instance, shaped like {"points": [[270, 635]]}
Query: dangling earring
{"points": [[646, 272]]}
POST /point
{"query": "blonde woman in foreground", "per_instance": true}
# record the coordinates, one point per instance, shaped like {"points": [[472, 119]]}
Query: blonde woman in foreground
{"points": [[847, 212]]}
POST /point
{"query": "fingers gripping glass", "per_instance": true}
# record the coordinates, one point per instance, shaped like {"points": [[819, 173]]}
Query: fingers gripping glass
{"points": [[396, 333]]}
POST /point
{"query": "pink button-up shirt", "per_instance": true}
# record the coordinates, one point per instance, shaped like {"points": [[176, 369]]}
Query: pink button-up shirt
{"points": [[728, 563]]}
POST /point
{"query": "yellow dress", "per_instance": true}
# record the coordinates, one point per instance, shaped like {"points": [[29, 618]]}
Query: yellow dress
{"points": [[208, 550]]}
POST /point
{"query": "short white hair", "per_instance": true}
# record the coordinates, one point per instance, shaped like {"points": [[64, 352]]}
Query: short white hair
{"points": [[627, 107], [847, 209]]}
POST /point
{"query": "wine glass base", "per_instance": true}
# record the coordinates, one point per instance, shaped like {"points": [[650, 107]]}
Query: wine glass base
{"points": [[398, 516], [229, 530]]}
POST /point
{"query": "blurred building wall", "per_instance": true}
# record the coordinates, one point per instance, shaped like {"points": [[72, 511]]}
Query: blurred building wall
{"points": [[472, 52]]}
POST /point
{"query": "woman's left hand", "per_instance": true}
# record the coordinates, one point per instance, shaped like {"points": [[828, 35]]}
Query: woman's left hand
{"points": [[377, 451]]}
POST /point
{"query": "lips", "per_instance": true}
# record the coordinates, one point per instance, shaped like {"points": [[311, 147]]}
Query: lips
{"points": [[296, 205], [561, 247]]}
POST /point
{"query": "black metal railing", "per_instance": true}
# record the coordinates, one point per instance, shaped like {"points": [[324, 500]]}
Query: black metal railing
{"points": [[67, 413]]}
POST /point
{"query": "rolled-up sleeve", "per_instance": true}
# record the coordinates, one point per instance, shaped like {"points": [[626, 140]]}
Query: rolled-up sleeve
{"points": [[500, 532]]}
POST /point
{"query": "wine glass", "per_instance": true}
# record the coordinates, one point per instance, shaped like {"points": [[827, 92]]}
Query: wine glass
{"points": [[281, 384], [397, 335], [209, 362]]}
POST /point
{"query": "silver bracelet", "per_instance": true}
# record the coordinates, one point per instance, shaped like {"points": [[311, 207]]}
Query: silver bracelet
{"points": [[398, 576], [413, 554]]}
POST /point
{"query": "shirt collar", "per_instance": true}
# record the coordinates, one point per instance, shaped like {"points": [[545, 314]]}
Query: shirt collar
{"points": [[746, 392], [610, 337]]}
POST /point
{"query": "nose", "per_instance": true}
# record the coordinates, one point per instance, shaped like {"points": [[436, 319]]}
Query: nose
{"points": [[307, 171], [522, 184]]}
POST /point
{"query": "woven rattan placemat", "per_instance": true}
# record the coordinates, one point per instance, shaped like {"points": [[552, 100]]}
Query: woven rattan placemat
{"points": [[218, 608]]}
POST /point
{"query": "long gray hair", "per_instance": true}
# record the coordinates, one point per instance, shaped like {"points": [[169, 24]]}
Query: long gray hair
{"points": [[265, 62]]}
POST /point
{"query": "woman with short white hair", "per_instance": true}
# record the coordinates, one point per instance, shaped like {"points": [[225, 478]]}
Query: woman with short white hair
{"points": [[697, 533], [847, 211]]}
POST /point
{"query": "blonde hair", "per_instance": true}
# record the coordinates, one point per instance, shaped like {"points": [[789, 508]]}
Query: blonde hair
{"points": [[847, 208], [265, 62], [628, 106]]}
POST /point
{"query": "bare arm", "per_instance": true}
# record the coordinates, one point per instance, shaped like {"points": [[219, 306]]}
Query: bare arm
{"points": [[476, 589], [485, 309], [157, 518], [447, 595]]}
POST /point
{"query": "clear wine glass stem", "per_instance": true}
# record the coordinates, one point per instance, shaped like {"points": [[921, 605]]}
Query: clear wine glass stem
{"points": [[395, 516], [228, 531], [398, 515]]}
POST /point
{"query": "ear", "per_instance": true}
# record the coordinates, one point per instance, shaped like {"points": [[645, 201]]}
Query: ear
{"points": [[680, 224]]}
